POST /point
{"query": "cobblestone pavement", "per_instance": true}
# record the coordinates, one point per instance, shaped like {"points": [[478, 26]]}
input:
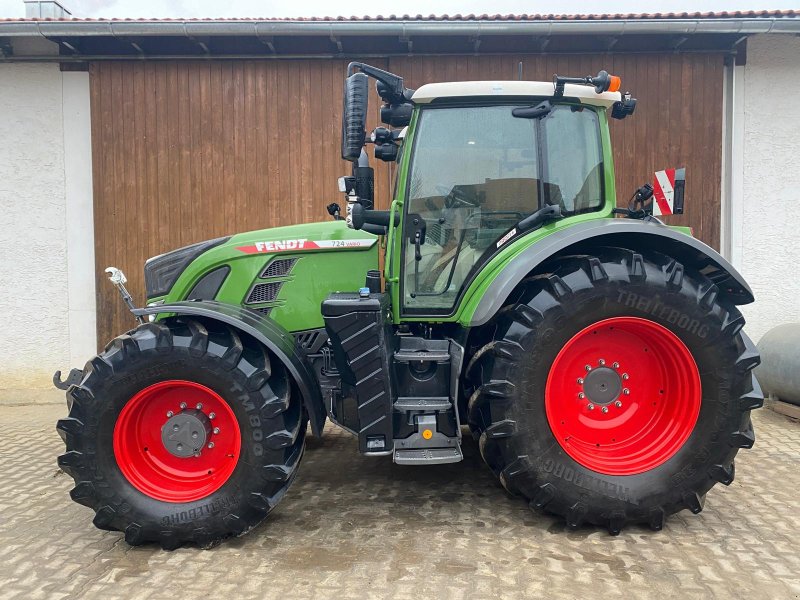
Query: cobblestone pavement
{"points": [[354, 527]]}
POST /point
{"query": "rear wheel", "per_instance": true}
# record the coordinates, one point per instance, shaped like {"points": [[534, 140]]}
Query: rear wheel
{"points": [[182, 432], [614, 389]]}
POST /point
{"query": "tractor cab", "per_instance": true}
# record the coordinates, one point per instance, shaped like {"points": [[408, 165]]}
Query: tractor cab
{"points": [[479, 165], [486, 157]]}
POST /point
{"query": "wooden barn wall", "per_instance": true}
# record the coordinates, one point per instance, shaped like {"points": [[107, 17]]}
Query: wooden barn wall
{"points": [[186, 151]]}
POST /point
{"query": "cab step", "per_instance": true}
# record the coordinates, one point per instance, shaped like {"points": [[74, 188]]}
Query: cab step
{"points": [[438, 356], [428, 456], [422, 403]]}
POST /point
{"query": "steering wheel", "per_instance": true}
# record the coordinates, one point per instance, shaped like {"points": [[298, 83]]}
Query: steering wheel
{"points": [[456, 196]]}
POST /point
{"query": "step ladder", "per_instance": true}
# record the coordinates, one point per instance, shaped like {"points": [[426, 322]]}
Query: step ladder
{"points": [[428, 456]]}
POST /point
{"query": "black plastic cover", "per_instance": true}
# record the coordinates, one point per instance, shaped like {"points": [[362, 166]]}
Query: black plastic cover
{"points": [[361, 339], [209, 284], [161, 272]]}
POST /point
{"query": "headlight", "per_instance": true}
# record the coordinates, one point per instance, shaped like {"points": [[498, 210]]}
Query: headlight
{"points": [[152, 318], [161, 272]]}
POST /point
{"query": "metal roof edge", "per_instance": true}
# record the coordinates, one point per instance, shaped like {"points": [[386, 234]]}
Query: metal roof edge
{"points": [[190, 28]]}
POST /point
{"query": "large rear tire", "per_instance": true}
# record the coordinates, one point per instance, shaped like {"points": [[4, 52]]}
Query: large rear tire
{"points": [[614, 389], [182, 432]]}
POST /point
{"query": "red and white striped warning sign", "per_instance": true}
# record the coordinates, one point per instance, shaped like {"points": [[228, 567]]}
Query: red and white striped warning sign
{"points": [[664, 192]]}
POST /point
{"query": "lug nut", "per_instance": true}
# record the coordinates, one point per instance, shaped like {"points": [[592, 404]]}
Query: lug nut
{"points": [[194, 435], [169, 413], [199, 406], [618, 404], [580, 380], [212, 415], [175, 428], [625, 376], [590, 406], [581, 395], [604, 409], [601, 362], [216, 429], [626, 391], [615, 365], [210, 444], [180, 446], [183, 405], [588, 368]]}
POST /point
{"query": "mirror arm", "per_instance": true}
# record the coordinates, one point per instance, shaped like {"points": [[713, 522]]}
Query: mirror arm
{"points": [[390, 80], [373, 229]]}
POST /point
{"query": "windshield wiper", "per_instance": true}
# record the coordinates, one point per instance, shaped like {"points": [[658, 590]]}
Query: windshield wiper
{"points": [[548, 213], [533, 112]]}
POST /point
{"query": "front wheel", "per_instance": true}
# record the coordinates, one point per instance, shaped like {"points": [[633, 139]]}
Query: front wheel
{"points": [[182, 432], [614, 389]]}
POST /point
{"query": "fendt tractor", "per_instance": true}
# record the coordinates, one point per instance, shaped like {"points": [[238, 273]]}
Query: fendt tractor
{"points": [[595, 353]]}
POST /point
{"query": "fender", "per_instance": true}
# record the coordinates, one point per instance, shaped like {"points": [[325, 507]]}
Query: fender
{"points": [[623, 233], [277, 339]]}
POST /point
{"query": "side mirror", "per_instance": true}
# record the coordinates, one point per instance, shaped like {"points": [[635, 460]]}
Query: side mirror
{"points": [[354, 115]]}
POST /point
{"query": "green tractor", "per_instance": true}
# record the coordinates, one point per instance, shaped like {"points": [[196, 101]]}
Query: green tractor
{"points": [[596, 354]]}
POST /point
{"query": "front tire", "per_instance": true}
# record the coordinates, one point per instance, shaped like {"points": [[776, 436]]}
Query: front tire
{"points": [[614, 389], [182, 432]]}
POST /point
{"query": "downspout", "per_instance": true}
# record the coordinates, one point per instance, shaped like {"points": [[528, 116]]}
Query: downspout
{"points": [[727, 157], [732, 184], [736, 198]]}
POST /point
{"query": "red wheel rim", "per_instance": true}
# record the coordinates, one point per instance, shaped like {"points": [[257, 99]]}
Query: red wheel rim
{"points": [[623, 396], [149, 462]]}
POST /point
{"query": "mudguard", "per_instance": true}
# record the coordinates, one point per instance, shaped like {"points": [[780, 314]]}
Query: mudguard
{"points": [[622, 233], [277, 339]]}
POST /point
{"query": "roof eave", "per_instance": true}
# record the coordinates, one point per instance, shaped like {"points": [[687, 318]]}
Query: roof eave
{"points": [[190, 28]]}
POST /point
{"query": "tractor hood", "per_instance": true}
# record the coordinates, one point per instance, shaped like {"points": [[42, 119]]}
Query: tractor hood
{"points": [[284, 272]]}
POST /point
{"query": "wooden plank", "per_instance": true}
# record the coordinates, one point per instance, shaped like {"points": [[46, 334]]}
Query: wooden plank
{"points": [[189, 151]]}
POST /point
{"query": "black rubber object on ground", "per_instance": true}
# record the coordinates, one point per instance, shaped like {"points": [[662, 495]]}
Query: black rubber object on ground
{"points": [[256, 387], [512, 355]]}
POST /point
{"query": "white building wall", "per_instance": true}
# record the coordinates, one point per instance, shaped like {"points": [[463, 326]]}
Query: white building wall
{"points": [[45, 237], [766, 236]]}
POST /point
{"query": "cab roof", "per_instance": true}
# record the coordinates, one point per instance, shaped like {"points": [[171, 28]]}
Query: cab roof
{"points": [[542, 89]]}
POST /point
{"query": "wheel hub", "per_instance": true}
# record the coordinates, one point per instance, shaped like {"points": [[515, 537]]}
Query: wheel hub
{"points": [[602, 386], [177, 441], [623, 395], [185, 434]]}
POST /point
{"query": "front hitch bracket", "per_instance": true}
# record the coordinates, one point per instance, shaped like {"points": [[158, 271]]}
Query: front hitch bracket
{"points": [[118, 279], [74, 378]]}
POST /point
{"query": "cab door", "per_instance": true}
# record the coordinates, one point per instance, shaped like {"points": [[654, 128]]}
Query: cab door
{"points": [[474, 173]]}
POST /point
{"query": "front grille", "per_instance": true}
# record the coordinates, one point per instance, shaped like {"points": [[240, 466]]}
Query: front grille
{"points": [[264, 292], [279, 267]]}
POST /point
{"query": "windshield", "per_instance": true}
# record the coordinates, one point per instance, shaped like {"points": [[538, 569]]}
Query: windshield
{"points": [[476, 172]]}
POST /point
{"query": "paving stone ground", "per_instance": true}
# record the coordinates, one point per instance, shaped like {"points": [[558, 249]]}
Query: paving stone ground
{"points": [[355, 527]]}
